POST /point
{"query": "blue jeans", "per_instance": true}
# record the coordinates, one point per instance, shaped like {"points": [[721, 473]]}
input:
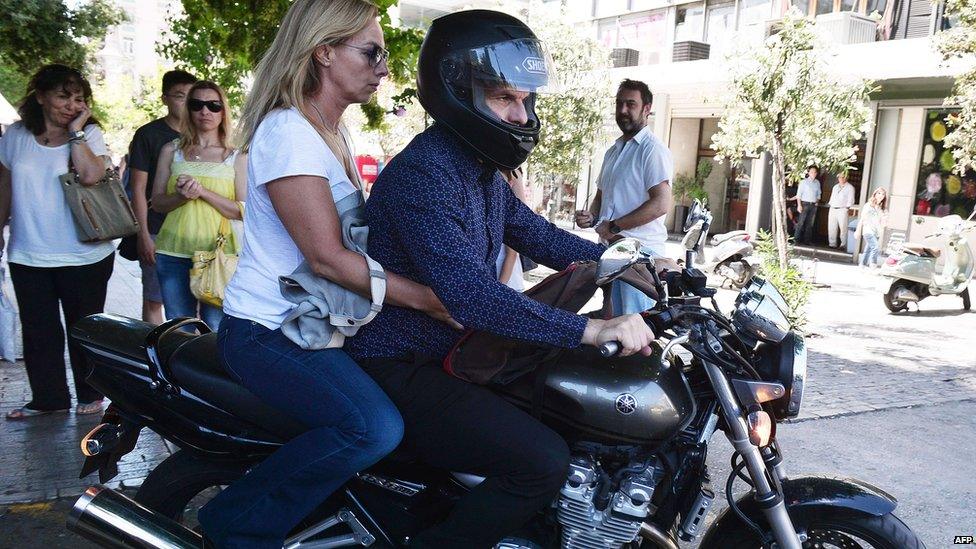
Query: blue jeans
{"points": [[352, 425], [178, 300], [626, 299], [870, 254]]}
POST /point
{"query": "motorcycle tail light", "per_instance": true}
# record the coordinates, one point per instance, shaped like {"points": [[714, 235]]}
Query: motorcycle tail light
{"points": [[891, 261], [760, 428], [746, 238]]}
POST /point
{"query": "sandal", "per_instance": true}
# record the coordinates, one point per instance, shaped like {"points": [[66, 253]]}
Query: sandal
{"points": [[88, 408], [26, 413]]}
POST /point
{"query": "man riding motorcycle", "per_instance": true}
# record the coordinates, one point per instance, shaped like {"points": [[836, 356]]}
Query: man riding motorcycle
{"points": [[439, 214]]}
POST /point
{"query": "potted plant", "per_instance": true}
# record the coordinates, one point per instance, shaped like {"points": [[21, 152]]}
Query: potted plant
{"points": [[687, 188]]}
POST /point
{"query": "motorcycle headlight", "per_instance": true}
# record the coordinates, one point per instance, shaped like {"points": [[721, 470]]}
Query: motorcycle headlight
{"points": [[785, 362], [758, 317]]}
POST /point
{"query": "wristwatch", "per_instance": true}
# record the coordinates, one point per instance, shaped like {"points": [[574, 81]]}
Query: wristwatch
{"points": [[76, 136], [614, 228]]}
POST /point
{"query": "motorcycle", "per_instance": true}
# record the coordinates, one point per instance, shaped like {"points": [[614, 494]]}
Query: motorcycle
{"points": [[638, 427], [730, 256], [913, 271]]}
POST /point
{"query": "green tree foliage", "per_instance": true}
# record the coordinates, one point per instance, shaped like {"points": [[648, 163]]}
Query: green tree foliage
{"points": [[222, 40], [572, 117], [959, 42], [34, 33], [123, 106], [785, 101], [787, 279]]}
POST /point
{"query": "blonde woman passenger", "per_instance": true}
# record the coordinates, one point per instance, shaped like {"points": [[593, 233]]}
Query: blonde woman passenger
{"points": [[326, 56]]}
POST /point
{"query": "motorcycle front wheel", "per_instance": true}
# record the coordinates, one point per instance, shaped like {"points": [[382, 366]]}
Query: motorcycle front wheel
{"points": [[839, 528]]}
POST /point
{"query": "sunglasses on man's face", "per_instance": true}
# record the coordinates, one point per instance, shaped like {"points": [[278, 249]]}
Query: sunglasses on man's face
{"points": [[375, 54], [196, 105]]}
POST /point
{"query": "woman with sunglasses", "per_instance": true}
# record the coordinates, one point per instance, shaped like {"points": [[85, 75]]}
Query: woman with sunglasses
{"points": [[52, 270], [200, 184], [326, 56]]}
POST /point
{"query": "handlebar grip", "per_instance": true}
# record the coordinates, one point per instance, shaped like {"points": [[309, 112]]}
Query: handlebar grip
{"points": [[609, 349]]}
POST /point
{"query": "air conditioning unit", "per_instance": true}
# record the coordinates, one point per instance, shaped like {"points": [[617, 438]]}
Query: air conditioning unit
{"points": [[689, 50], [624, 57], [847, 27]]}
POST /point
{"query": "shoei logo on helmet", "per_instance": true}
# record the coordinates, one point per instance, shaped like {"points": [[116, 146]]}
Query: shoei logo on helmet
{"points": [[534, 65]]}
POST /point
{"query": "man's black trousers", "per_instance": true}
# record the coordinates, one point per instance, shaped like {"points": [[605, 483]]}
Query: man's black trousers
{"points": [[461, 427]]}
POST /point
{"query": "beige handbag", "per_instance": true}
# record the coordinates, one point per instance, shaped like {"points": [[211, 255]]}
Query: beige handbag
{"points": [[101, 211], [213, 269]]}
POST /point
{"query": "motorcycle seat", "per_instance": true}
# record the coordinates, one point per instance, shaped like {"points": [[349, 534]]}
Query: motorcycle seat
{"points": [[720, 238], [196, 368], [921, 250]]}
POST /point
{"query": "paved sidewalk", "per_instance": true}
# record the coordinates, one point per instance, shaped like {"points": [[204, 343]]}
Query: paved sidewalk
{"points": [[40, 458]]}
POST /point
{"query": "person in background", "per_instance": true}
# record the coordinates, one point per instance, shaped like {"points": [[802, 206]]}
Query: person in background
{"points": [[509, 263], [791, 203], [143, 158], [807, 197], [200, 181], [51, 269], [634, 189], [871, 224], [841, 201]]}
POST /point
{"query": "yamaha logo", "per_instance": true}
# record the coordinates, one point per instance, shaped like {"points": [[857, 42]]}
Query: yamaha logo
{"points": [[626, 404], [534, 65]]}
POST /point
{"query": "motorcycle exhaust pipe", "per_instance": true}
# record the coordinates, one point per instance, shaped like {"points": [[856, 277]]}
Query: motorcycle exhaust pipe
{"points": [[654, 535], [110, 519], [904, 294]]}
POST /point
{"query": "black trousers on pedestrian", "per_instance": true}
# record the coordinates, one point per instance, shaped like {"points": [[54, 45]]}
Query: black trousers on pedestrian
{"points": [[457, 426], [78, 291], [803, 234]]}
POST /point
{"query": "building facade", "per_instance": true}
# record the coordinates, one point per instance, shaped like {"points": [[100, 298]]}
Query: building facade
{"points": [[680, 50]]}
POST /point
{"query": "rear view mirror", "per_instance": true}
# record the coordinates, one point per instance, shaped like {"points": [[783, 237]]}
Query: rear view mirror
{"points": [[618, 258]]}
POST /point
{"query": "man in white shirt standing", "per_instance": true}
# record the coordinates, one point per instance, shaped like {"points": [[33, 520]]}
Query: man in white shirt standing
{"points": [[634, 189], [807, 196], [841, 201]]}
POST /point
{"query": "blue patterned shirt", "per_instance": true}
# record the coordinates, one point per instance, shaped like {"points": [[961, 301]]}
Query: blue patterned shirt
{"points": [[439, 216]]}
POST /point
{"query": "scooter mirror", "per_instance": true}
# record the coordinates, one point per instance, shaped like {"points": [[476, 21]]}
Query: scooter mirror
{"points": [[617, 259], [694, 215], [690, 240]]}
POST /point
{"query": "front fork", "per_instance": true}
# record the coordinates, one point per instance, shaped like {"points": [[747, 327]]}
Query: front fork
{"points": [[768, 484]]}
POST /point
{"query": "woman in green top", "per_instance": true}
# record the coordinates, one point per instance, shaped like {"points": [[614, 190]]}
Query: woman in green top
{"points": [[200, 185]]}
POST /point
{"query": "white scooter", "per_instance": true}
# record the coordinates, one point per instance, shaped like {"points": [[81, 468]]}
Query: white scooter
{"points": [[730, 256], [913, 271]]}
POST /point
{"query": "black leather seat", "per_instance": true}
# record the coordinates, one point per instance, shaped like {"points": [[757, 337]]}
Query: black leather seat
{"points": [[196, 368]]}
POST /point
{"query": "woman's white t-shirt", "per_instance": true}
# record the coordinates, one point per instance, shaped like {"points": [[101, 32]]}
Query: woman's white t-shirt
{"points": [[285, 144], [42, 229]]}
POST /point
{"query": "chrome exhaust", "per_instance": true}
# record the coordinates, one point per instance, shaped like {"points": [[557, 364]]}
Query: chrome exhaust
{"points": [[654, 535], [112, 520], [904, 294]]}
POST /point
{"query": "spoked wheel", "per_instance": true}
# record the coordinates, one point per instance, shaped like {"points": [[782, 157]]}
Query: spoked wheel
{"points": [[891, 300], [842, 529]]}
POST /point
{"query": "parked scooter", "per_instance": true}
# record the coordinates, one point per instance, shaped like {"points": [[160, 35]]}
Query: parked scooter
{"points": [[913, 271], [730, 256]]}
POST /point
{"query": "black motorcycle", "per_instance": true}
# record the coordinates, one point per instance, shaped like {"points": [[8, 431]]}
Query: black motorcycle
{"points": [[639, 429]]}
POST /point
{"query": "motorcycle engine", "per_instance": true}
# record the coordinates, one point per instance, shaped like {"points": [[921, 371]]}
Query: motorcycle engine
{"points": [[584, 524]]}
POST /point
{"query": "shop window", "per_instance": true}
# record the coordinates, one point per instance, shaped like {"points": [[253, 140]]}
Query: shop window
{"points": [[940, 192], [688, 23]]}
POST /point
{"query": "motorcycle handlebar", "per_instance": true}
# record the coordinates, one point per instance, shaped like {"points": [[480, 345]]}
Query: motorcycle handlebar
{"points": [[659, 322]]}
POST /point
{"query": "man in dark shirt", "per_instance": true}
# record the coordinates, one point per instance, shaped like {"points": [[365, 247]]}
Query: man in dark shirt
{"points": [[143, 156], [439, 214]]}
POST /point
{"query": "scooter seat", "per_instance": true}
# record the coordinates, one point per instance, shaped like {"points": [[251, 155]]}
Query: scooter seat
{"points": [[921, 250], [720, 238], [196, 368]]}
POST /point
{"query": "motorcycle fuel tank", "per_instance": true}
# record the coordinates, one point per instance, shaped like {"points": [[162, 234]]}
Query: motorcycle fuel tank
{"points": [[621, 400]]}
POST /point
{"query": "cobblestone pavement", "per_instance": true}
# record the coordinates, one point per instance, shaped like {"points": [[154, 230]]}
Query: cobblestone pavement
{"points": [[861, 359]]}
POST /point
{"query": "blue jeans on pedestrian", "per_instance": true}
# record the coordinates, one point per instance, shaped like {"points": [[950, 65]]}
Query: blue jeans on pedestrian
{"points": [[626, 299], [870, 254], [352, 425], [174, 283]]}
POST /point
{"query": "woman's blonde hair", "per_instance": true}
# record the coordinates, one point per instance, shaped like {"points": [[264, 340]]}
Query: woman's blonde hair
{"points": [[188, 132], [287, 74]]}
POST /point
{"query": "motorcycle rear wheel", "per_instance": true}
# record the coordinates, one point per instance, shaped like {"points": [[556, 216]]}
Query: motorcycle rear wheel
{"points": [[841, 529], [896, 305]]}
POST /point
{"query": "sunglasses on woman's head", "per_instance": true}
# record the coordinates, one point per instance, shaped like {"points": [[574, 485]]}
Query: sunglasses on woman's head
{"points": [[196, 105]]}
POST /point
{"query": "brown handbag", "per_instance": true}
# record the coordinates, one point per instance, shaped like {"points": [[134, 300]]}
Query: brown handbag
{"points": [[485, 358], [101, 211]]}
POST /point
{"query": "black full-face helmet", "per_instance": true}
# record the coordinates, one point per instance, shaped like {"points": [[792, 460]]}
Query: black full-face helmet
{"points": [[468, 52]]}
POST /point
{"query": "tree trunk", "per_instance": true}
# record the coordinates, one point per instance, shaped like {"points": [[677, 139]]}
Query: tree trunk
{"points": [[779, 202], [557, 198]]}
